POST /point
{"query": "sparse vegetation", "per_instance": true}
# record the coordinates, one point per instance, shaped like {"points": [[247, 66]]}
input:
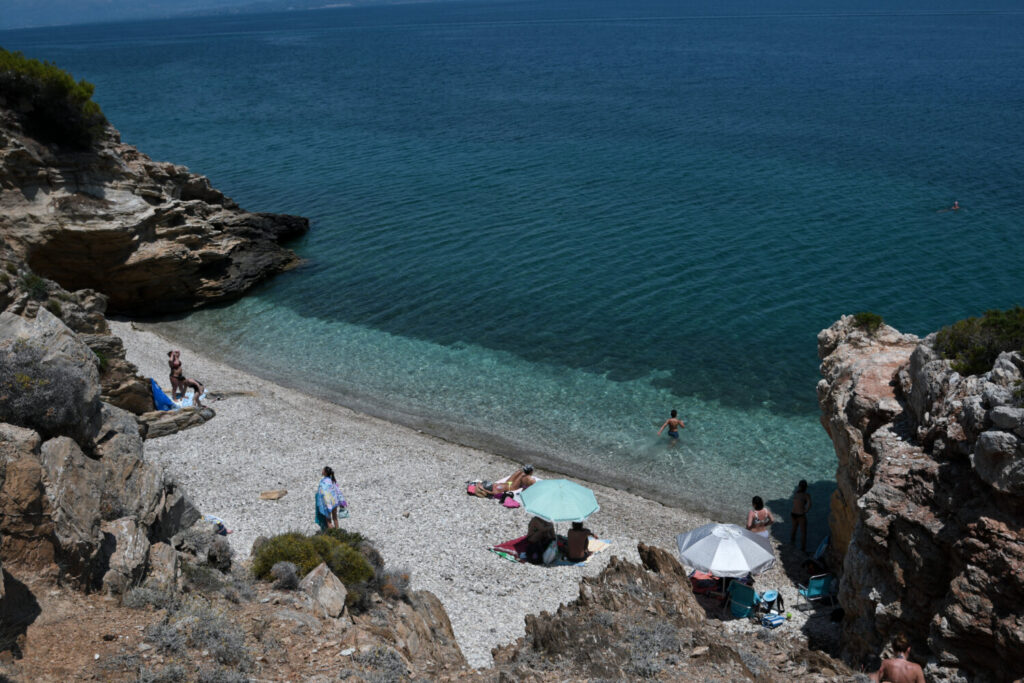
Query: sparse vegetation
{"points": [[973, 344], [284, 573], [141, 597], [102, 358], [50, 104], [53, 306], [35, 286], [868, 321]]}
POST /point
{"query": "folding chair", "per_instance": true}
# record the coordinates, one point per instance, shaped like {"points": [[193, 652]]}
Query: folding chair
{"points": [[818, 588], [742, 599]]}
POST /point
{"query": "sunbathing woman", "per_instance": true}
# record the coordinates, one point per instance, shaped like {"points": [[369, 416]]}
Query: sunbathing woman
{"points": [[520, 479]]}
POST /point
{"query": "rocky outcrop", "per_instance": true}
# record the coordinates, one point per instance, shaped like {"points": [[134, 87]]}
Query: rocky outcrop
{"points": [[77, 499], [22, 292], [157, 423], [632, 622], [151, 236], [929, 515]]}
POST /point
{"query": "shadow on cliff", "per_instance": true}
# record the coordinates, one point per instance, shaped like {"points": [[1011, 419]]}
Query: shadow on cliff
{"points": [[18, 609]]}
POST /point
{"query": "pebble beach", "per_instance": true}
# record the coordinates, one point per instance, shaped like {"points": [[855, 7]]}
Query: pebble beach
{"points": [[405, 488]]}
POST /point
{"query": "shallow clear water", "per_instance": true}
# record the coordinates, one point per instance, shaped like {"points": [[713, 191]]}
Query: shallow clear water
{"points": [[537, 227]]}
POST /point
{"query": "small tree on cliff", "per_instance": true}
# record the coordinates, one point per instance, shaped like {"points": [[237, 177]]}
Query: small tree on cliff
{"points": [[974, 344], [48, 102]]}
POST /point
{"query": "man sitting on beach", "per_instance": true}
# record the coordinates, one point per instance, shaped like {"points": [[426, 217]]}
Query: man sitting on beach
{"points": [[578, 540]]}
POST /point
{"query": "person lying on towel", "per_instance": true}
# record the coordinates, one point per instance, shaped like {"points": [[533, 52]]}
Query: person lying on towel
{"points": [[578, 540], [520, 479]]}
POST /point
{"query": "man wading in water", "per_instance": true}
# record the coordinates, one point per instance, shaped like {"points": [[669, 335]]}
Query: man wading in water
{"points": [[674, 424]]}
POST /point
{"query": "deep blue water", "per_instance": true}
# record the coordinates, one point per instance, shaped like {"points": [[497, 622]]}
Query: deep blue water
{"points": [[537, 227]]}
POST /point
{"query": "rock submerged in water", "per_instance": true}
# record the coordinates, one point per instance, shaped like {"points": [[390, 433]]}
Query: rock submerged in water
{"points": [[929, 513], [151, 236]]}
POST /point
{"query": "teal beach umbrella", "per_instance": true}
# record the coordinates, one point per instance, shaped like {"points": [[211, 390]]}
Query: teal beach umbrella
{"points": [[559, 500]]}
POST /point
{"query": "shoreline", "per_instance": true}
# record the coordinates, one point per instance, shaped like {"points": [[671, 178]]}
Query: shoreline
{"points": [[459, 435], [405, 488]]}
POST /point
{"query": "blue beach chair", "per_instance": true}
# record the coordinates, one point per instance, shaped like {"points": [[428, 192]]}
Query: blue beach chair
{"points": [[818, 588], [743, 600]]}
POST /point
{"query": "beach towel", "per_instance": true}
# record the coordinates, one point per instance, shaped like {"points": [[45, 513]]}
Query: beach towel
{"points": [[189, 399], [160, 399], [511, 550], [594, 546]]}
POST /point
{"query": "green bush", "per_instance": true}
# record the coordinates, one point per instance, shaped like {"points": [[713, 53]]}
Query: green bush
{"points": [[294, 547], [974, 344], [35, 286], [867, 321], [307, 552], [102, 358], [53, 306], [51, 105]]}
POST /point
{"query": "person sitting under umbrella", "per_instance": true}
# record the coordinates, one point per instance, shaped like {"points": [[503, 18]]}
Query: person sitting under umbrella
{"points": [[578, 540], [539, 536]]}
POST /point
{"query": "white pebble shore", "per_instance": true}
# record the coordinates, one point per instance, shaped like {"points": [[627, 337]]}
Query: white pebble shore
{"points": [[405, 489]]}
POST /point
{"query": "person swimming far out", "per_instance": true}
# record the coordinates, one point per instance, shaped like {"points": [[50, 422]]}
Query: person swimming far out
{"points": [[955, 207], [674, 424]]}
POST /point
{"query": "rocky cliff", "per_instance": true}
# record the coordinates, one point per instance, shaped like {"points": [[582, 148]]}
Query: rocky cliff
{"points": [[150, 236], [928, 518]]}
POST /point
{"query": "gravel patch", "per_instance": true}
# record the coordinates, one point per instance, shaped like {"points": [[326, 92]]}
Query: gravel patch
{"points": [[405, 489]]}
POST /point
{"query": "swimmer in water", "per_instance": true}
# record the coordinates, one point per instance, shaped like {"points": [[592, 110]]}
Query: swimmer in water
{"points": [[956, 206], [674, 424]]}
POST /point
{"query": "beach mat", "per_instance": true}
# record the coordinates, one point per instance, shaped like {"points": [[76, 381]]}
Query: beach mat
{"points": [[510, 550], [595, 546]]}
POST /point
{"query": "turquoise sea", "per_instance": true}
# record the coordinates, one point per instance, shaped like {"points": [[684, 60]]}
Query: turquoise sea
{"points": [[539, 226]]}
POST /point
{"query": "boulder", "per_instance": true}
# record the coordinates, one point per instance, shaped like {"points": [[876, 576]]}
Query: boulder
{"points": [[327, 591], [164, 568], [75, 489], [126, 549], [49, 380], [26, 517], [157, 423], [999, 460]]}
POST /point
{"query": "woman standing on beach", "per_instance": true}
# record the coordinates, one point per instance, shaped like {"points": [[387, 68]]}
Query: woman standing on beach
{"points": [[328, 501]]}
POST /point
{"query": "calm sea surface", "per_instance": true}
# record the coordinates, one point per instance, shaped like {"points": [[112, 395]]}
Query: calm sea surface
{"points": [[537, 227]]}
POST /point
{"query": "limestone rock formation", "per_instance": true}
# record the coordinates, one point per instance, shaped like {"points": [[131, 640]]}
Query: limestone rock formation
{"points": [[77, 499], [22, 292], [632, 622], [157, 423], [151, 236], [929, 514], [327, 591]]}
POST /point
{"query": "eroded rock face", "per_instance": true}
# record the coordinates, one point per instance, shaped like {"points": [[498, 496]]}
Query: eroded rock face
{"points": [[151, 236], [77, 499], [49, 381], [633, 622], [929, 515], [23, 293]]}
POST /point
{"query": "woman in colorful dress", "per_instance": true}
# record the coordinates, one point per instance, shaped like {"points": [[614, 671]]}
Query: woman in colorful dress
{"points": [[329, 501]]}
